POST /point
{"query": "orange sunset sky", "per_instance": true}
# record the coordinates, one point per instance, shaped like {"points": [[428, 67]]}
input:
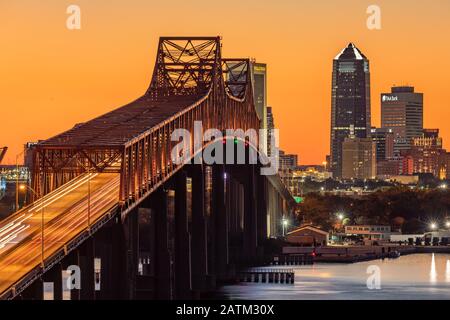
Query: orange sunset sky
{"points": [[52, 77]]}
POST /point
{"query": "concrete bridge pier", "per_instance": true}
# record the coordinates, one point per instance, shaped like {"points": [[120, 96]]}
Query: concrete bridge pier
{"points": [[250, 213], [163, 266], [199, 263], [131, 237], [54, 278], [145, 286], [182, 259], [86, 264], [262, 214], [219, 212]]}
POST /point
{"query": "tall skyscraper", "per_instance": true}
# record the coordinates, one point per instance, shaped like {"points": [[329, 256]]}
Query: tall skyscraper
{"points": [[402, 111], [350, 102], [270, 132], [259, 78], [259, 81], [358, 158]]}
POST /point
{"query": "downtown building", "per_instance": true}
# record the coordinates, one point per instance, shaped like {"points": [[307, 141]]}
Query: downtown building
{"points": [[402, 112], [384, 143], [270, 133], [258, 75], [358, 158], [287, 161], [426, 154], [350, 103], [259, 80]]}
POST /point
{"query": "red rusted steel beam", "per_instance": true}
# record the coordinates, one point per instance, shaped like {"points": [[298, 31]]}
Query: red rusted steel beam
{"points": [[187, 85]]}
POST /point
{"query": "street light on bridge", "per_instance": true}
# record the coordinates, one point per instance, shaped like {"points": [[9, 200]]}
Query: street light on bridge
{"points": [[284, 223]]}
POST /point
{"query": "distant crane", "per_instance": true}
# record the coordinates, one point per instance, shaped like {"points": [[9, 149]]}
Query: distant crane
{"points": [[2, 153]]}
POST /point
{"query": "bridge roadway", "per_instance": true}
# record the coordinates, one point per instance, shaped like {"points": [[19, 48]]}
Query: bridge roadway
{"points": [[65, 216]]}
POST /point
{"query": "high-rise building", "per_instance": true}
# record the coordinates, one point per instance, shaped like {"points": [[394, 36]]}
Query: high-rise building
{"points": [[259, 78], [350, 102], [259, 82], [427, 154], [358, 158], [384, 143], [447, 167], [402, 111], [270, 132], [288, 161]]}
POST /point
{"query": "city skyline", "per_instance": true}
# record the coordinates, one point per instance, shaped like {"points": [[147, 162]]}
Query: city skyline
{"points": [[208, 153], [57, 78]]}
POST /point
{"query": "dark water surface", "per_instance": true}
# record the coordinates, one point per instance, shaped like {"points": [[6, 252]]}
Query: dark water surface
{"points": [[417, 276]]}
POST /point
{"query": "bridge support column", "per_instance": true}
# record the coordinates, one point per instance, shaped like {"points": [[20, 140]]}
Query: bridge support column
{"points": [[262, 210], [86, 264], [132, 251], [34, 291], [108, 253], [182, 240], [145, 280], [250, 214], [54, 275], [199, 262], [221, 221], [162, 256], [119, 261]]}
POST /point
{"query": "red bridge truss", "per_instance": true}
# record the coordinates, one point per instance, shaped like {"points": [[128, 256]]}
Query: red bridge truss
{"points": [[188, 85]]}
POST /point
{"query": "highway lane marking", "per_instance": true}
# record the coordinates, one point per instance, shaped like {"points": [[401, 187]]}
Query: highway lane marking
{"points": [[10, 237], [97, 193], [11, 226], [98, 198], [104, 197], [44, 205], [57, 191]]}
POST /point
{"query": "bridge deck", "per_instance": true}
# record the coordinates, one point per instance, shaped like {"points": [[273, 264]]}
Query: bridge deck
{"points": [[121, 125], [65, 216]]}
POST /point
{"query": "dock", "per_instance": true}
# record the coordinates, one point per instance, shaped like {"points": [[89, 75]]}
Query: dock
{"points": [[267, 275]]}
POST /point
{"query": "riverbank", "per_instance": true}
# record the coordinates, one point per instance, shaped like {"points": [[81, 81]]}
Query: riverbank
{"points": [[352, 254]]}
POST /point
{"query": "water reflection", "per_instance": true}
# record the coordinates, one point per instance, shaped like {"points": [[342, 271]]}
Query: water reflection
{"points": [[447, 271], [433, 272], [409, 277]]}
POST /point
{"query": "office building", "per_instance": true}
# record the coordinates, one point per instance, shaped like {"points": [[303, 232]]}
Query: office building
{"points": [[350, 102], [358, 158], [402, 112], [270, 132], [384, 143], [427, 154], [389, 167], [259, 78], [447, 167], [259, 81], [288, 161]]}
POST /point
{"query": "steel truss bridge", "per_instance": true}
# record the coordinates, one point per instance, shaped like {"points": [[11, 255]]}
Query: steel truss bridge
{"points": [[109, 197]]}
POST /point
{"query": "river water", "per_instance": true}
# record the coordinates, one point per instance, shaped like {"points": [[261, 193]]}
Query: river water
{"points": [[417, 276]]}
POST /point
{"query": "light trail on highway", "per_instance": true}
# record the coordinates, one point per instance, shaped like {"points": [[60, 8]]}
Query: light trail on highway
{"points": [[65, 213]]}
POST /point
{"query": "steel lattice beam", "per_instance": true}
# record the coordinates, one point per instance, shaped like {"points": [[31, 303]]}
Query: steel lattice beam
{"points": [[187, 85]]}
